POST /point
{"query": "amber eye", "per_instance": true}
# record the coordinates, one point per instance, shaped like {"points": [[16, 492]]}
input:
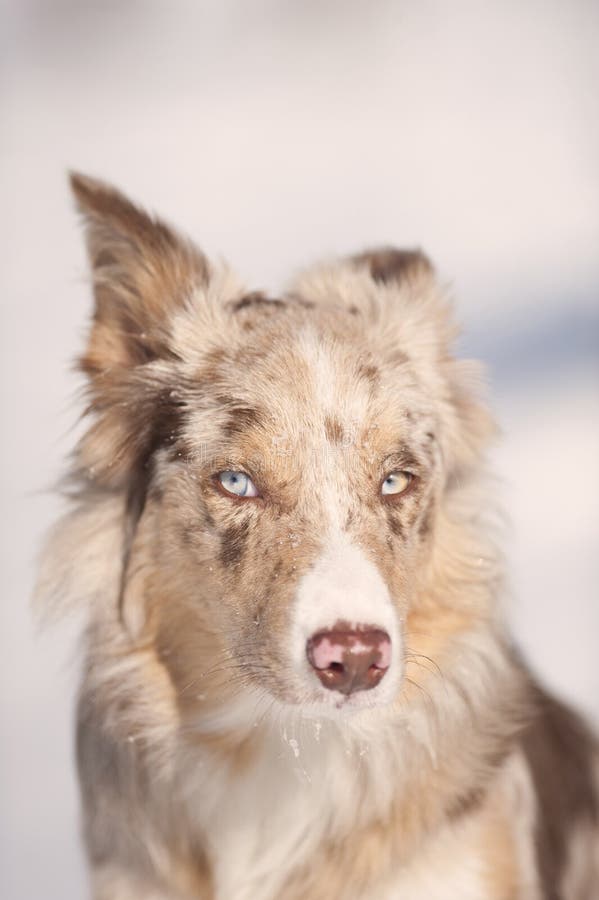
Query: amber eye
{"points": [[237, 483], [396, 483]]}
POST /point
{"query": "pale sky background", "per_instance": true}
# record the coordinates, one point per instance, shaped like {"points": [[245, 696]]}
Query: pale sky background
{"points": [[275, 132]]}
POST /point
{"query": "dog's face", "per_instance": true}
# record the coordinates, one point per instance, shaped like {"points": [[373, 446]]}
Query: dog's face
{"points": [[307, 482], [286, 463]]}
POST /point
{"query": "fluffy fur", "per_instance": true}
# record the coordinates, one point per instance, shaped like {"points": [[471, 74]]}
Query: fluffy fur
{"points": [[213, 763]]}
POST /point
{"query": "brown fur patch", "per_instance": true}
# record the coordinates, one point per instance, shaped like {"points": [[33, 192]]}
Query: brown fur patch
{"points": [[211, 365], [426, 520], [395, 523], [390, 264], [254, 299], [233, 543], [369, 372], [334, 430], [241, 418], [465, 804], [560, 751]]}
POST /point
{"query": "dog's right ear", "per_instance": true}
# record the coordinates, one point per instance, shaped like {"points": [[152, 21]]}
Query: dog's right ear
{"points": [[143, 274]]}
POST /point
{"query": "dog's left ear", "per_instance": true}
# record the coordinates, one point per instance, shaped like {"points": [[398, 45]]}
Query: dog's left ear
{"points": [[143, 274], [392, 264], [413, 274]]}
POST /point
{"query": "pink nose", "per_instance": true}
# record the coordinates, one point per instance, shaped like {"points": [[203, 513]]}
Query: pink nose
{"points": [[350, 659]]}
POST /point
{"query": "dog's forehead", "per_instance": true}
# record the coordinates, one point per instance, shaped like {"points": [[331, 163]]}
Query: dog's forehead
{"points": [[315, 376]]}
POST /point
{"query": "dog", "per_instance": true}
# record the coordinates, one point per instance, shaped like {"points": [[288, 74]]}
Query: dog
{"points": [[297, 680]]}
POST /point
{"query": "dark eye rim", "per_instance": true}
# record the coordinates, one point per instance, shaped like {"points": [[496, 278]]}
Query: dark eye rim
{"points": [[235, 498], [397, 498]]}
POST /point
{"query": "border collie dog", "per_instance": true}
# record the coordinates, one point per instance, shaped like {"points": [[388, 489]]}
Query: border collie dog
{"points": [[297, 682]]}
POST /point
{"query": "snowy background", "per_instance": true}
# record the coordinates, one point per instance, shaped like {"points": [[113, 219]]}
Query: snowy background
{"points": [[274, 132]]}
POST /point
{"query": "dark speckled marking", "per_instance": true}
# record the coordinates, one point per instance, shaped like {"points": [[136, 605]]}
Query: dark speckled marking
{"points": [[369, 372], [390, 264], [233, 543], [426, 521], [241, 417], [211, 368], [186, 535], [255, 299], [466, 804], [394, 524], [215, 357], [334, 430], [208, 519]]}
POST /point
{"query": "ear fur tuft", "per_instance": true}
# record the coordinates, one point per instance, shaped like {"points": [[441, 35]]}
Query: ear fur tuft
{"points": [[143, 274]]}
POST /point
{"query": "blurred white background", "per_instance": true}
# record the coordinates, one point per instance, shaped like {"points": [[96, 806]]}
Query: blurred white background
{"points": [[275, 132]]}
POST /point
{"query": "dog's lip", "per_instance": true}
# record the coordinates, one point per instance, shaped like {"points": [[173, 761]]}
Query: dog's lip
{"points": [[332, 702]]}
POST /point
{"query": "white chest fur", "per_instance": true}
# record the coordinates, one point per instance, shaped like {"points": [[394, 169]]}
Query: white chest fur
{"points": [[309, 784]]}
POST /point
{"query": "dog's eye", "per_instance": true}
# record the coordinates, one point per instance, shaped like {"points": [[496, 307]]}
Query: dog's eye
{"points": [[396, 483], [237, 483]]}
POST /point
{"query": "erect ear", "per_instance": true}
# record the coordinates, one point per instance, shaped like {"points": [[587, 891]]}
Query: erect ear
{"points": [[390, 264], [143, 273], [378, 284], [400, 293], [425, 319]]}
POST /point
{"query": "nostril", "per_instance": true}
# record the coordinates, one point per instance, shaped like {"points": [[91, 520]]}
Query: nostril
{"points": [[350, 658]]}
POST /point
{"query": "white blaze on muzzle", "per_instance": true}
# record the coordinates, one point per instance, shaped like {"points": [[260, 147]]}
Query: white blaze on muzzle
{"points": [[343, 605]]}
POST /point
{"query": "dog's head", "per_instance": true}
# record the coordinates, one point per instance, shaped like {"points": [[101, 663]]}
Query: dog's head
{"points": [[294, 471]]}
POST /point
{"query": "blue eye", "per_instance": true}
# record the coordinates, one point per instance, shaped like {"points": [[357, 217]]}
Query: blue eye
{"points": [[237, 483], [396, 483]]}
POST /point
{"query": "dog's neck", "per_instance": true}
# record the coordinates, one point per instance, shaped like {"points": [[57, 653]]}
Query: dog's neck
{"points": [[278, 783]]}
